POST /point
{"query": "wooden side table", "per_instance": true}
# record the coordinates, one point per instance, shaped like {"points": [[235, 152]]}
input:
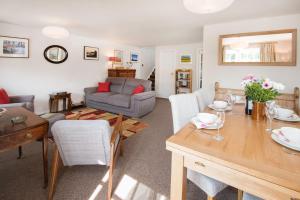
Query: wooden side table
{"points": [[32, 129], [54, 101]]}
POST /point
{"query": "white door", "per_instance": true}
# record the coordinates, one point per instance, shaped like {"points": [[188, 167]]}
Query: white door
{"points": [[166, 73]]}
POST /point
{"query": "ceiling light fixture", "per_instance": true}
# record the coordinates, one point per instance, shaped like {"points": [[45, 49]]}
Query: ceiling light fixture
{"points": [[55, 32], [206, 6]]}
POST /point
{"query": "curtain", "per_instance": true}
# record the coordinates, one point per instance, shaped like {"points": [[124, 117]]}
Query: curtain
{"points": [[267, 52]]}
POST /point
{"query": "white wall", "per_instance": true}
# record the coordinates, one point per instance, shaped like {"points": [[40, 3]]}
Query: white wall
{"points": [[230, 76], [37, 76], [192, 49]]}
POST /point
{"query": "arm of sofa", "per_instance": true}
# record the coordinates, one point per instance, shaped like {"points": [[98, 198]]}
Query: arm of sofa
{"points": [[143, 103], [11, 105], [90, 90], [144, 95], [21, 99], [26, 100]]}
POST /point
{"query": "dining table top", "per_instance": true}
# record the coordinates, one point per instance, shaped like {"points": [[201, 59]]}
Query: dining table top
{"points": [[247, 147]]}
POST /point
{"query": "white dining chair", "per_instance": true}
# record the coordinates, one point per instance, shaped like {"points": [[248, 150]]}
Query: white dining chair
{"points": [[85, 142], [247, 196], [184, 107], [203, 98]]}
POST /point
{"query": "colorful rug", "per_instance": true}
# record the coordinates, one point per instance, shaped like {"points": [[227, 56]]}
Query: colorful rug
{"points": [[130, 126]]}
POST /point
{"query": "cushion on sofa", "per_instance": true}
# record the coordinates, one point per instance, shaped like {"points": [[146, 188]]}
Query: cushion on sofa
{"points": [[121, 100], [117, 83], [100, 96], [103, 87], [131, 84], [138, 89], [4, 99]]}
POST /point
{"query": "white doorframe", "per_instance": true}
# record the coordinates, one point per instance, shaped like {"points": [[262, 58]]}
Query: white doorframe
{"points": [[199, 68]]}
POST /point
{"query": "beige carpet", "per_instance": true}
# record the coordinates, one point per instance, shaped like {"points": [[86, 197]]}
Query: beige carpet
{"points": [[142, 174]]}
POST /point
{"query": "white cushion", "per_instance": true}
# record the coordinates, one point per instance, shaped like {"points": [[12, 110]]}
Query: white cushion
{"points": [[210, 186], [83, 142]]}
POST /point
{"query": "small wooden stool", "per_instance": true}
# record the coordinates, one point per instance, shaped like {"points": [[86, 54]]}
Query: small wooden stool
{"points": [[54, 101]]}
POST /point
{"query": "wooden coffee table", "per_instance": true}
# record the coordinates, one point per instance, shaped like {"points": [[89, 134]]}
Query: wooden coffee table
{"points": [[34, 128]]}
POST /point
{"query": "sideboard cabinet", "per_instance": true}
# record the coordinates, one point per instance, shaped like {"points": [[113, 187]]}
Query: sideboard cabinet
{"points": [[129, 73]]}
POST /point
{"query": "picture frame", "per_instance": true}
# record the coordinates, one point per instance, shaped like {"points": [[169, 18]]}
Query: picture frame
{"points": [[90, 53], [263, 48], [14, 47], [118, 54], [186, 58], [134, 57]]}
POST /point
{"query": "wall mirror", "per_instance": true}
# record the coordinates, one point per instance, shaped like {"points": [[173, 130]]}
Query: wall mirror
{"points": [[274, 48], [56, 54]]}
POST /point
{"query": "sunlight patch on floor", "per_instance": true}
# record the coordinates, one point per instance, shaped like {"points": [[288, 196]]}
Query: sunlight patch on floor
{"points": [[105, 177], [130, 189], [96, 192], [126, 187]]}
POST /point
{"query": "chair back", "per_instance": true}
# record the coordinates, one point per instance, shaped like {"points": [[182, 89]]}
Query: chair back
{"points": [[290, 101], [83, 142], [184, 107]]}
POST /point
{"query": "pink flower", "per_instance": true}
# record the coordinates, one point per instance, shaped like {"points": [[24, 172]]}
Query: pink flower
{"points": [[267, 84], [249, 77], [248, 80]]}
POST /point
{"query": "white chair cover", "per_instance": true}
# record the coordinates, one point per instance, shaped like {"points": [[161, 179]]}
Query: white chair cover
{"points": [[83, 142], [203, 98], [247, 196], [184, 107]]}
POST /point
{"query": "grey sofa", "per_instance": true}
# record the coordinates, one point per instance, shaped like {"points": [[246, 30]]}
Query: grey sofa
{"points": [[120, 98], [26, 101]]}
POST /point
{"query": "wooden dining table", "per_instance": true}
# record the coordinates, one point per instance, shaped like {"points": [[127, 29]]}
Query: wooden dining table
{"points": [[247, 159]]}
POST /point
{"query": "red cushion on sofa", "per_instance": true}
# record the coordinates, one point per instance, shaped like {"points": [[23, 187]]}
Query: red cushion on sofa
{"points": [[138, 89], [4, 99], [104, 87]]}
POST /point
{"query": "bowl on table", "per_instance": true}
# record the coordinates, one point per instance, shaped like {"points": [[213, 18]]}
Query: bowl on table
{"points": [[220, 105]]}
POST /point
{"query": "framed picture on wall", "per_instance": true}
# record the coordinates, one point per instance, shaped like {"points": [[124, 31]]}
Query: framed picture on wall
{"points": [[134, 57], [118, 54], [14, 47], [186, 58], [91, 53]]}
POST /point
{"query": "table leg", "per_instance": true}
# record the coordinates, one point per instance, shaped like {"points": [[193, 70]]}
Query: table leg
{"points": [[51, 104], [45, 159], [64, 104], [20, 151], [178, 178], [69, 104]]}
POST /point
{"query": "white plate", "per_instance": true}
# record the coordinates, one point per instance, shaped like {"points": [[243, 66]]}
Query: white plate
{"points": [[294, 118], [211, 106], [196, 120], [282, 140]]}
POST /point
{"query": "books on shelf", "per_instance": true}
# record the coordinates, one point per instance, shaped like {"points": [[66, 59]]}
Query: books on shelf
{"points": [[183, 82]]}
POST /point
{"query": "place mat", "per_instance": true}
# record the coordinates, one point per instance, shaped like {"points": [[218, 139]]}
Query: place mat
{"points": [[130, 126]]}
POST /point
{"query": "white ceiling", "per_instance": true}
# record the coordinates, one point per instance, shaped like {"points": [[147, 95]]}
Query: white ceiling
{"points": [[135, 22]]}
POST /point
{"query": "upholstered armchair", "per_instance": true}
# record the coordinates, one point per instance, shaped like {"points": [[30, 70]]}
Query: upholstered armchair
{"points": [[26, 101], [85, 142]]}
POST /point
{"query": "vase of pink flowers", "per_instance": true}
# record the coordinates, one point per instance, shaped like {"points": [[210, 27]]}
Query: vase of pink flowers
{"points": [[259, 91]]}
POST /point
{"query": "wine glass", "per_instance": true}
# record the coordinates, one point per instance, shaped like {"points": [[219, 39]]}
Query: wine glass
{"points": [[271, 112], [220, 122]]}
